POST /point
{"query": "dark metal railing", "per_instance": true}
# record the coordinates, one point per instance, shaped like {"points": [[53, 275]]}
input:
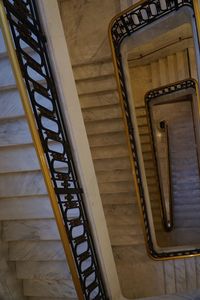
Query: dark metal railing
{"points": [[30, 44], [122, 26]]}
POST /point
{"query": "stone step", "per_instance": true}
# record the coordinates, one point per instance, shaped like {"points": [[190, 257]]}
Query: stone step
{"points": [[7, 77], [145, 139], [94, 70], [102, 113], [10, 104], [25, 208], [36, 251], [112, 164], [187, 209], [107, 139], [44, 270], [188, 197], [23, 230], [50, 298], [114, 176], [118, 199], [2, 44], [116, 187], [142, 121], [121, 215], [97, 100], [141, 111], [22, 184], [126, 235], [187, 223], [100, 127], [14, 132], [49, 288], [96, 85], [18, 158], [116, 151], [181, 187]]}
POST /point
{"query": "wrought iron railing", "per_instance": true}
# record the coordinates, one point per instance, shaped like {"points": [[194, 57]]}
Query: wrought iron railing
{"points": [[30, 44], [122, 26]]}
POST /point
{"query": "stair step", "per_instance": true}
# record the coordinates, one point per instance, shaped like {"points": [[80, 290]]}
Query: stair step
{"points": [[30, 230], [118, 199], [116, 151], [126, 235], [121, 215], [114, 176], [97, 100], [112, 164], [102, 113], [36, 251], [96, 85], [6, 74], [106, 126], [49, 288], [142, 121], [89, 71], [107, 139], [145, 139], [18, 158], [22, 184], [50, 298], [10, 104], [141, 111], [2, 44], [25, 208], [116, 187], [15, 132], [44, 270]]}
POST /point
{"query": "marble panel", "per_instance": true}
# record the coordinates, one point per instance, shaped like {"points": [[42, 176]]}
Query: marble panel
{"points": [[22, 184], [48, 288], [106, 126], [25, 208], [102, 113], [30, 230], [94, 70], [109, 139], [54, 270], [104, 99], [16, 159], [36, 251], [87, 34], [14, 133]]}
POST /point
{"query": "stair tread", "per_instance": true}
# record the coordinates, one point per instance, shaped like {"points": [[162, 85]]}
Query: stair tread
{"points": [[49, 288]]}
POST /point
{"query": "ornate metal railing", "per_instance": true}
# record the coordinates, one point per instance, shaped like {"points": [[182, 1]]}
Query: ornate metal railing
{"points": [[30, 44], [122, 26]]}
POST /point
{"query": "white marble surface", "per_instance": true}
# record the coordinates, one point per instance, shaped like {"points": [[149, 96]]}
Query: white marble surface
{"points": [[10, 287], [86, 35]]}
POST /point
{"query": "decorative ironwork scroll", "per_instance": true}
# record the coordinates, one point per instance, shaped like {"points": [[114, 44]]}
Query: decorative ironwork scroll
{"points": [[32, 54], [122, 26]]}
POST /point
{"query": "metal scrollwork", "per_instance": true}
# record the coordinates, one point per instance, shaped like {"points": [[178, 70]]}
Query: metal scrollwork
{"points": [[32, 54]]}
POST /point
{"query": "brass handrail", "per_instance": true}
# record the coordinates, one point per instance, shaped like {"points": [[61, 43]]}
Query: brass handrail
{"points": [[171, 213], [39, 150], [167, 214]]}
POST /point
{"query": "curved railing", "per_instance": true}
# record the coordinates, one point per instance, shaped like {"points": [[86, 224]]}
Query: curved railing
{"points": [[122, 26], [44, 115]]}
